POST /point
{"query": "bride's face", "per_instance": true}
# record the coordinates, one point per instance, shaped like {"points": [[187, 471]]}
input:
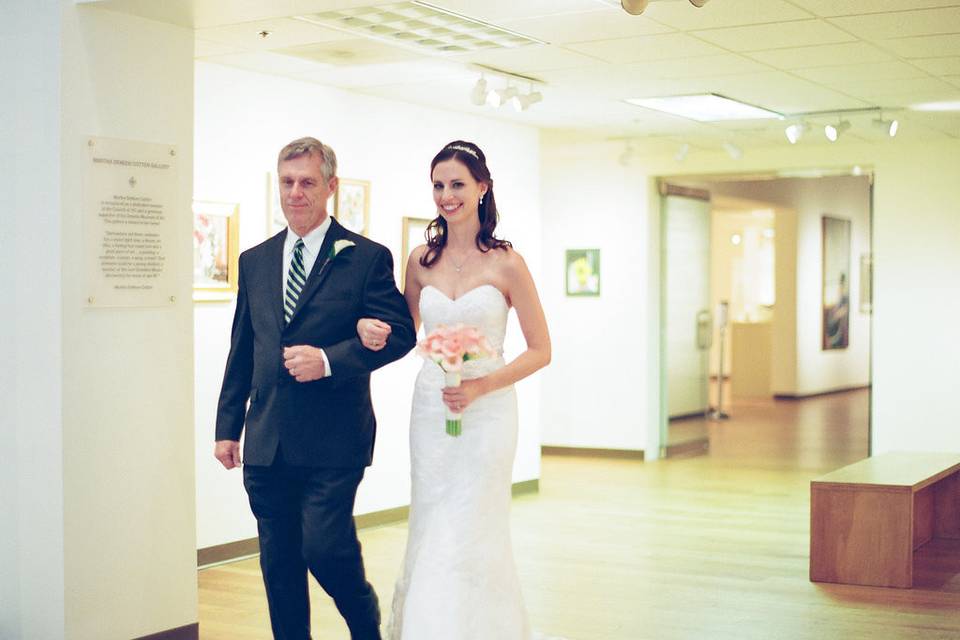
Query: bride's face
{"points": [[455, 191]]}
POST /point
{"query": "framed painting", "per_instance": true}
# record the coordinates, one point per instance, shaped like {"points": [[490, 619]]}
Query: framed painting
{"points": [[414, 234], [275, 220], [216, 250], [836, 283], [583, 272], [351, 205]]}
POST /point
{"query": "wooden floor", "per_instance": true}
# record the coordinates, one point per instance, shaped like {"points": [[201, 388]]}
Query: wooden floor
{"points": [[709, 547]]}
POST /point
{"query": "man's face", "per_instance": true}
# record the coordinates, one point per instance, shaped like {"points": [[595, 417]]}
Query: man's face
{"points": [[304, 193]]}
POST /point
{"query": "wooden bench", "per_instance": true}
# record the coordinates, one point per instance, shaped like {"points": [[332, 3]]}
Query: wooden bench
{"points": [[867, 519]]}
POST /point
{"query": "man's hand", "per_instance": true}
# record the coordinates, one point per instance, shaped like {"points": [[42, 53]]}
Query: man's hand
{"points": [[373, 333], [228, 453], [305, 363]]}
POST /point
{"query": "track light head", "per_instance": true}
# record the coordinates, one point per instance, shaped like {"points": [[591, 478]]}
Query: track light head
{"points": [[634, 7], [682, 152], [833, 131], [522, 103], [795, 131], [479, 94], [500, 97], [890, 126], [698, 3]]}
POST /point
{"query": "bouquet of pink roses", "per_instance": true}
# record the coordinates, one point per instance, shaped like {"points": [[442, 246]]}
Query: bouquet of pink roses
{"points": [[450, 347]]}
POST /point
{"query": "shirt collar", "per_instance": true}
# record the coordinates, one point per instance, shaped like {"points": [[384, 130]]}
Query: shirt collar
{"points": [[311, 242]]}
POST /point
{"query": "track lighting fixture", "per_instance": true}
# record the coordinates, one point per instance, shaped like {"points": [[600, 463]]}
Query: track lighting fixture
{"points": [[636, 7], [833, 131], [682, 152], [795, 131], [500, 97], [890, 126], [482, 93]]}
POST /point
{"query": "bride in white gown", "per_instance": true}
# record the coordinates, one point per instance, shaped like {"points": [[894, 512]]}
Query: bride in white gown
{"points": [[459, 580]]}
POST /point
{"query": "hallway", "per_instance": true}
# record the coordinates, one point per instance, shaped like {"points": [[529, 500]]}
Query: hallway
{"points": [[707, 547]]}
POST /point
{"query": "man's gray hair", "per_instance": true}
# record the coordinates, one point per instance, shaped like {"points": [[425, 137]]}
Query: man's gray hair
{"points": [[311, 146]]}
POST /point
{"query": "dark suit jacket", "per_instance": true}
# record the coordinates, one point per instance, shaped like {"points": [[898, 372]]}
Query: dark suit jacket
{"points": [[327, 422]]}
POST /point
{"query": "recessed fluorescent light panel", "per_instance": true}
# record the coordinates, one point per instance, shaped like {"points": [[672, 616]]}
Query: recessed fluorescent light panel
{"points": [[421, 26], [708, 107]]}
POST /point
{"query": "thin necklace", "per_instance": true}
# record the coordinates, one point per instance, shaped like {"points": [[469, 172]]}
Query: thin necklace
{"points": [[458, 267]]}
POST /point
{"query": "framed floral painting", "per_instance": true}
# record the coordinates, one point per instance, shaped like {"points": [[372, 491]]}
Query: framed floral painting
{"points": [[583, 272], [216, 250], [351, 205]]}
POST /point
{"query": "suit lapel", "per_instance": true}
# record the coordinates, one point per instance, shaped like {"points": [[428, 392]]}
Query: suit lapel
{"points": [[321, 267], [275, 275]]}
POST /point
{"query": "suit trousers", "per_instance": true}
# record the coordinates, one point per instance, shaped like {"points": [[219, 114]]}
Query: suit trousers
{"points": [[305, 522]]}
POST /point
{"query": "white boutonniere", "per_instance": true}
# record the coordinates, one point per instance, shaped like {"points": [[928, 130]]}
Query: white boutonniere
{"points": [[339, 246]]}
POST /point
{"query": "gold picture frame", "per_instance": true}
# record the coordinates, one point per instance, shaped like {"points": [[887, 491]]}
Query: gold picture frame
{"points": [[216, 250], [351, 205], [413, 235]]}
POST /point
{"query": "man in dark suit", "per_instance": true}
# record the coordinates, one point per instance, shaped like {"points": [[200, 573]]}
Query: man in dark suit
{"points": [[296, 357]]}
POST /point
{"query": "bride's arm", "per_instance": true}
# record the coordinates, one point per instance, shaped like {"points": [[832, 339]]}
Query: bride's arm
{"points": [[374, 333], [522, 294]]}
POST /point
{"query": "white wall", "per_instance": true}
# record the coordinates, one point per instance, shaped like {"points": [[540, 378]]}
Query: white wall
{"points": [[597, 383], [916, 360], [242, 120], [846, 197], [129, 516], [31, 476]]}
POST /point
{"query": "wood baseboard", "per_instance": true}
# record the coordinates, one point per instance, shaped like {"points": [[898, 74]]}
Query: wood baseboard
{"points": [[186, 632], [697, 447], [232, 551], [591, 452], [804, 396]]}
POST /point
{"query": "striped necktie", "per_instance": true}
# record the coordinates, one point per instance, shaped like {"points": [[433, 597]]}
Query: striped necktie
{"points": [[296, 278]]}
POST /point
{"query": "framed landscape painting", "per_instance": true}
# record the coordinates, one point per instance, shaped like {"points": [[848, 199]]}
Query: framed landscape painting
{"points": [[413, 235]]}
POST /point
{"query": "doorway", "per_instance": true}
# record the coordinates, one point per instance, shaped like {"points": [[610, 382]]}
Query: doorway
{"points": [[746, 294]]}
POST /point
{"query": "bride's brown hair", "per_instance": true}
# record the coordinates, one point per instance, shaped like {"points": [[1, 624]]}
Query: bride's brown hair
{"points": [[473, 159]]}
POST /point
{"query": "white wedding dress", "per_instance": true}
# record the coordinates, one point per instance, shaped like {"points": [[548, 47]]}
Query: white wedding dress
{"points": [[459, 580]]}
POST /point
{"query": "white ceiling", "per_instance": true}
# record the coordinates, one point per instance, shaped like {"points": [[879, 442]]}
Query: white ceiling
{"points": [[790, 56]]}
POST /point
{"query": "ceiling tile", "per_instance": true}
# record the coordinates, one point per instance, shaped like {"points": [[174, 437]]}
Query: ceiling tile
{"points": [[699, 67], [584, 27], [393, 73], [646, 48], [499, 11], [939, 66], [723, 13], [775, 36], [865, 72], [358, 51], [531, 59], [902, 92], [924, 46], [821, 55], [784, 93], [901, 23], [284, 32], [856, 7]]}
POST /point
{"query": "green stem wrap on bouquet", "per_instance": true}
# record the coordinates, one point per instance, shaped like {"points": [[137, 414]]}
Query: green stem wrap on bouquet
{"points": [[454, 424]]}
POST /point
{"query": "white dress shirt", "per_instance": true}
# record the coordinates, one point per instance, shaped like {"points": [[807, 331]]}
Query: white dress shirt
{"points": [[311, 249]]}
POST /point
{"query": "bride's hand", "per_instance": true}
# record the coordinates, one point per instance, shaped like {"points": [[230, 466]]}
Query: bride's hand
{"points": [[459, 398], [373, 333]]}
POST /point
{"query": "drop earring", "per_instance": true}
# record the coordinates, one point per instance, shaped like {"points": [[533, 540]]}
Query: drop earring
{"points": [[481, 199]]}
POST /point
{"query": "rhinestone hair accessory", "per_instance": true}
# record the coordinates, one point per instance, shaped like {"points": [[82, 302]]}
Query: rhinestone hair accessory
{"points": [[459, 147]]}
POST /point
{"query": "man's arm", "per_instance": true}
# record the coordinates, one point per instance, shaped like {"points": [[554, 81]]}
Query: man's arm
{"points": [[237, 377], [381, 300]]}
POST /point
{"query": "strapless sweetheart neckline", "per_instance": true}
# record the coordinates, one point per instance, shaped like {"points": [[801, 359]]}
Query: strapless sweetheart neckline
{"points": [[467, 292]]}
